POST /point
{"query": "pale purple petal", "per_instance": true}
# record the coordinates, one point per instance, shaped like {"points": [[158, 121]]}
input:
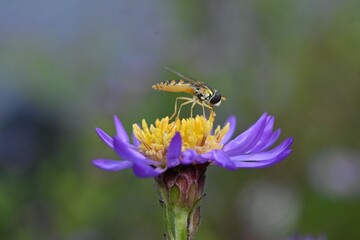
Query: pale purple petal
{"points": [[105, 137], [126, 151], [232, 121], [205, 157], [112, 165], [272, 140], [120, 130], [266, 135], [135, 140], [145, 171], [247, 139], [219, 158], [188, 156], [262, 156], [266, 163], [174, 151], [251, 142], [241, 139]]}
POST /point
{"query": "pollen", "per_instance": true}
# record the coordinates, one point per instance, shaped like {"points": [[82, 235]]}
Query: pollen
{"points": [[196, 133]]}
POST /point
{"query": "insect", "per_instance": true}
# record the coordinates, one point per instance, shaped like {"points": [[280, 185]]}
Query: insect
{"points": [[203, 94]]}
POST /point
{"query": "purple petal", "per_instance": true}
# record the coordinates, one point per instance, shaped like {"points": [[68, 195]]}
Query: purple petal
{"points": [[135, 140], [247, 139], [267, 163], [126, 151], [174, 151], [219, 158], [232, 121], [266, 135], [111, 165], [188, 156], [263, 156], [145, 171], [120, 130], [243, 136], [105, 137], [272, 139], [205, 157]]}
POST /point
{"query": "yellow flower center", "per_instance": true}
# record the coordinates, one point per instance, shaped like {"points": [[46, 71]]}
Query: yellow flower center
{"points": [[195, 133]]}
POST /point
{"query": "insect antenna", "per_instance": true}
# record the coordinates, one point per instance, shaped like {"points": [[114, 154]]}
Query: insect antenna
{"points": [[180, 75]]}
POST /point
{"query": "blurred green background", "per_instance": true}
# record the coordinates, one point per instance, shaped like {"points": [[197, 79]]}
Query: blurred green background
{"points": [[68, 66]]}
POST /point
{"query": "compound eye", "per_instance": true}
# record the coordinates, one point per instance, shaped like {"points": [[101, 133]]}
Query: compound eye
{"points": [[216, 99]]}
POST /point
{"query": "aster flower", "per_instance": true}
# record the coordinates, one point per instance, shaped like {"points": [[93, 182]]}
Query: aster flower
{"points": [[177, 153], [165, 145]]}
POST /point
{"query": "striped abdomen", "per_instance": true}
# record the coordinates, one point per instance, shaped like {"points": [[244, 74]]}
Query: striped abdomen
{"points": [[175, 86]]}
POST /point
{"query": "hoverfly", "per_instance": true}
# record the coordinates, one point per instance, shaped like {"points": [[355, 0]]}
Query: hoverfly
{"points": [[203, 94]]}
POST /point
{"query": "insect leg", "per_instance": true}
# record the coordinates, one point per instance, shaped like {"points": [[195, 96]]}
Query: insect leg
{"points": [[183, 104], [192, 108], [212, 112], [176, 101]]}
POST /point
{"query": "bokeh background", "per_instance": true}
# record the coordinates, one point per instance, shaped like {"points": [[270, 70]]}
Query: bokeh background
{"points": [[68, 66]]}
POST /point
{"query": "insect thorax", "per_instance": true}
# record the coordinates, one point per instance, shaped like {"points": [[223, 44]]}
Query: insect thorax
{"points": [[204, 94]]}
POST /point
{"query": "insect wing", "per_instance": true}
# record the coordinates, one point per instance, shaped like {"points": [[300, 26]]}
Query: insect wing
{"points": [[194, 82]]}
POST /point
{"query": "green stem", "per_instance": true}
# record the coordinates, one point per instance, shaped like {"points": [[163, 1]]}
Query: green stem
{"points": [[181, 190], [180, 224], [168, 223]]}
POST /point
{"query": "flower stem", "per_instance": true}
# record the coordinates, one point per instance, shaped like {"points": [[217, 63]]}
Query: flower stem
{"points": [[180, 223], [180, 190]]}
